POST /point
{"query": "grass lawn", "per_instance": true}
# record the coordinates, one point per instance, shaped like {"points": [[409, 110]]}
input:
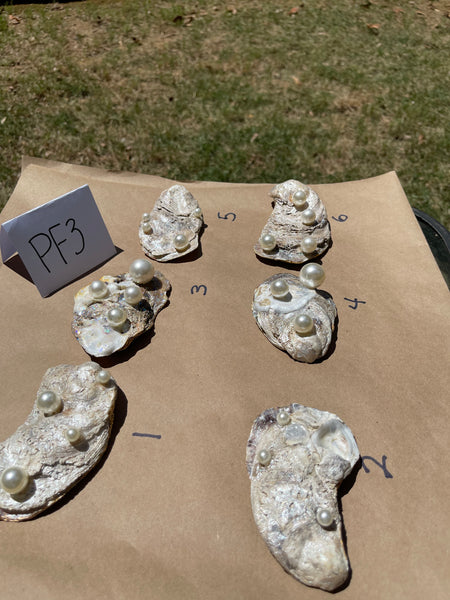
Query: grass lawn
{"points": [[316, 90]]}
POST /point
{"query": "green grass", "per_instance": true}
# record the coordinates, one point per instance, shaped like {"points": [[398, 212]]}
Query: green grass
{"points": [[242, 92]]}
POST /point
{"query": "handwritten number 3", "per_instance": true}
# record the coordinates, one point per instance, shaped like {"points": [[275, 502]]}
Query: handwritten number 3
{"points": [[81, 235]]}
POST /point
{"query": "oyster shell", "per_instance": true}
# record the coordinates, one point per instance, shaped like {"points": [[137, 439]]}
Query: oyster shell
{"points": [[40, 446], [287, 228], [295, 469], [176, 214], [90, 324], [276, 317]]}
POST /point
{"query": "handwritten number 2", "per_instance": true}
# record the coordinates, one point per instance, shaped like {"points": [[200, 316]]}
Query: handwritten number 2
{"points": [[81, 235], [381, 464], [228, 214]]}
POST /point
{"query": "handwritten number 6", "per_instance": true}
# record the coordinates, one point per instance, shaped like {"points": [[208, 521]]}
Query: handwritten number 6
{"points": [[340, 218], [227, 215]]}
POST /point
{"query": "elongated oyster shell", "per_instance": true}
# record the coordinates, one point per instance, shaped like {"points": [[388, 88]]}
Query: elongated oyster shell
{"points": [[295, 469], [176, 213], [90, 325], [275, 317], [40, 446], [289, 231]]}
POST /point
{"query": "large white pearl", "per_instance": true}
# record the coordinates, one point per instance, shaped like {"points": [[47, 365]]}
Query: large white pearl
{"points": [[73, 435], [98, 289], [299, 199], [116, 317], [197, 212], [267, 242], [283, 418], [324, 517], [308, 244], [132, 294], [312, 275], [147, 227], [279, 288], [264, 457], [308, 216], [146, 217], [103, 376], [49, 403], [141, 270], [303, 324], [14, 480], [180, 242]]}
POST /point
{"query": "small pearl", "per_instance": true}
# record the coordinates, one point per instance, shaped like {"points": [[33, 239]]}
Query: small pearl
{"points": [[73, 435], [141, 270], [303, 324], [283, 418], [299, 199], [14, 480], [312, 275], [264, 457], [49, 403], [308, 245], [324, 517], [197, 213], [267, 242], [133, 294], [98, 289], [308, 216], [180, 242], [103, 376], [279, 288], [116, 317], [147, 227], [146, 217]]}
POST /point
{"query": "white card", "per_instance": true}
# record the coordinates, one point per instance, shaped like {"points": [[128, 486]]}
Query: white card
{"points": [[58, 241]]}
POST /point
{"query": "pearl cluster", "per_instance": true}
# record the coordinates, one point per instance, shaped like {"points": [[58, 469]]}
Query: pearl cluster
{"points": [[146, 225]]}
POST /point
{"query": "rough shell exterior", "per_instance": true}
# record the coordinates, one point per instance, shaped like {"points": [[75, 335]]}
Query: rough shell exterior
{"points": [[275, 318], [90, 326], [310, 457], [172, 214], [40, 447], [285, 224]]}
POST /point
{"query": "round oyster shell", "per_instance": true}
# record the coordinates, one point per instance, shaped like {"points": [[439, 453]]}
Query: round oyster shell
{"points": [[310, 456], [89, 323], [275, 318], [173, 214], [286, 225], [40, 447]]}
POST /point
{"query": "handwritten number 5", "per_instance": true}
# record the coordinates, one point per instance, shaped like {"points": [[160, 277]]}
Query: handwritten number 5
{"points": [[227, 215]]}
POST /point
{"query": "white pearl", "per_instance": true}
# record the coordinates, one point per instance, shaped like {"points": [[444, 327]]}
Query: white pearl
{"points": [[146, 217], [147, 227], [14, 480], [324, 517], [98, 289], [308, 245], [141, 270], [116, 317], [312, 275], [197, 212], [103, 376], [267, 242], [133, 294], [299, 199], [283, 418], [49, 403], [279, 288], [73, 435], [303, 324], [264, 457], [180, 242], [308, 216]]}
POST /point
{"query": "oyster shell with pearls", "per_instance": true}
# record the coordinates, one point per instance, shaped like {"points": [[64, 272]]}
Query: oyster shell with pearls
{"points": [[294, 316], [62, 439], [171, 229], [296, 459], [111, 312], [298, 228]]}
